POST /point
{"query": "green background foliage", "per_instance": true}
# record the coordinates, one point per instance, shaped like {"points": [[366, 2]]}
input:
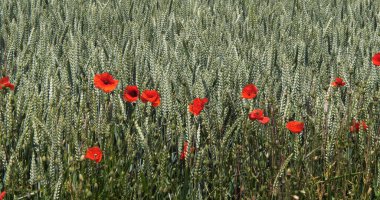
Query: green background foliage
{"points": [[291, 49]]}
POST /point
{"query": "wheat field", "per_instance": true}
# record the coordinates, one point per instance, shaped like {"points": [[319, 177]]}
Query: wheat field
{"points": [[291, 50]]}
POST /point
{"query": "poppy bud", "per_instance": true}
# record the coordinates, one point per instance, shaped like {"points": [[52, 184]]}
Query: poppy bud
{"points": [[295, 197], [369, 192], [288, 172], [81, 177], [88, 192]]}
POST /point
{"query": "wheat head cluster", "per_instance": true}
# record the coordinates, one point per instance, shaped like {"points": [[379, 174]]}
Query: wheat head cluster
{"points": [[192, 99]]}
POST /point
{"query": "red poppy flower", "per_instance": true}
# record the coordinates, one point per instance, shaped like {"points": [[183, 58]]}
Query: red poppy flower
{"points": [[197, 105], [265, 120], [157, 102], [131, 93], [249, 91], [376, 59], [295, 126], [338, 82], [184, 150], [151, 96], [105, 82], [258, 115], [356, 126], [94, 153], [2, 195], [4, 82]]}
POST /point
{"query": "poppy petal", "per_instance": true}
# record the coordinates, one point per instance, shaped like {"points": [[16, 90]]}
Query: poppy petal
{"points": [[249, 91], [4, 82], [157, 102], [265, 120], [197, 105], [151, 96], [295, 126], [2, 195], [376, 59], [131, 93], [355, 127], [338, 82], [94, 153], [105, 82], [184, 150], [256, 114]]}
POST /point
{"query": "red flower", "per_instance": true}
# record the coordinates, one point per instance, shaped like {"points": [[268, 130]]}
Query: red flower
{"points": [[184, 150], [131, 93], [94, 153], [2, 195], [105, 82], [295, 126], [151, 96], [356, 126], [338, 82], [265, 120], [157, 102], [258, 115], [197, 105], [249, 91], [376, 59], [4, 82]]}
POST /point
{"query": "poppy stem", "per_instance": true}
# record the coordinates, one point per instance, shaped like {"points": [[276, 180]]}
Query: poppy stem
{"points": [[297, 146]]}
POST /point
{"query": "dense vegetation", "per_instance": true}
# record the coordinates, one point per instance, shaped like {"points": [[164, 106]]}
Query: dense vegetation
{"points": [[292, 50]]}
